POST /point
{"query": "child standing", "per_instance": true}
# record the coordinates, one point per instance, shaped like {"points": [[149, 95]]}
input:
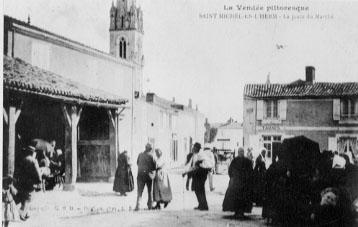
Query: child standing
{"points": [[9, 208]]}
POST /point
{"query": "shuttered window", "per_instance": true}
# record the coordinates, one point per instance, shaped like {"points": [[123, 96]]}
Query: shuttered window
{"points": [[283, 109], [271, 107], [260, 109], [349, 109]]}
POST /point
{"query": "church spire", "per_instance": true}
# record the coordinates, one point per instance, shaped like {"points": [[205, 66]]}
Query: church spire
{"points": [[126, 16], [112, 13]]}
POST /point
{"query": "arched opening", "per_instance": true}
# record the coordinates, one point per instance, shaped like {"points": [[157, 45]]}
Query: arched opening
{"points": [[122, 48]]}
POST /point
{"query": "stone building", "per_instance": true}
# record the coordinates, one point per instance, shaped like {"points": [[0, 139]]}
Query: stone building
{"points": [[89, 101], [169, 126], [126, 37], [229, 136], [324, 112], [54, 89]]}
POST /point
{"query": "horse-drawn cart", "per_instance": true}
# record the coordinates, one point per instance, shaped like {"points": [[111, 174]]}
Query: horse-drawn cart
{"points": [[224, 158]]}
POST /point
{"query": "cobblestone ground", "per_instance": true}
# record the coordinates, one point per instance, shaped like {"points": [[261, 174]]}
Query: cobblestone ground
{"points": [[94, 204]]}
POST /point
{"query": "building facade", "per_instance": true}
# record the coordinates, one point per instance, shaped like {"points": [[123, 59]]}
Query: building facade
{"points": [[72, 63], [324, 112], [106, 126], [126, 38], [169, 126], [229, 136]]}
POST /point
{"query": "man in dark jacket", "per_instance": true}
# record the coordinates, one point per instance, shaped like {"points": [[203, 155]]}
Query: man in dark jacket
{"points": [[28, 174], [146, 173], [199, 176]]}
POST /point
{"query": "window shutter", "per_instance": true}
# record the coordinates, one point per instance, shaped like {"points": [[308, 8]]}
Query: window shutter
{"points": [[260, 109], [336, 109], [332, 143], [356, 108], [283, 109]]}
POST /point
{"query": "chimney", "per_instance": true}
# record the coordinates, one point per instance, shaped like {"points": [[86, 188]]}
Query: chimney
{"points": [[173, 99], [190, 105], [268, 79], [150, 97], [310, 74], [196, 108]]}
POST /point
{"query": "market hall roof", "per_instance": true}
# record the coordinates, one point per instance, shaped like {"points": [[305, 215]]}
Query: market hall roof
{"points": [[299, 89], [23, 77]]}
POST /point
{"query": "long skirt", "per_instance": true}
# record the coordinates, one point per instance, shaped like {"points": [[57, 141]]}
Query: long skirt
{"points": [[123, 181], [259, 188], [162, 191], [238, 196]]}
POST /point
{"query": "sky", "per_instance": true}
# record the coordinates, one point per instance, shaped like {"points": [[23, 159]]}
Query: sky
{"points": [[211, 60]]}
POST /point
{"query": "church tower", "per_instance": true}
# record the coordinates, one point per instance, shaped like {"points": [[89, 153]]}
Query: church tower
{"points": [[126, 36]]}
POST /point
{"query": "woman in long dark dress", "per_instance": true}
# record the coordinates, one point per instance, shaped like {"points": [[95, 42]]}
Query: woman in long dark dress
{"points": [[123, 181], [238, 197], [259, 178], [162, 192]]}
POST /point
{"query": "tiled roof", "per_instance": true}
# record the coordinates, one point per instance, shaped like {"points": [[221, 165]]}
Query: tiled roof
{"points": [[169, 105], [153, 98], [21, 76], [318, 89]]}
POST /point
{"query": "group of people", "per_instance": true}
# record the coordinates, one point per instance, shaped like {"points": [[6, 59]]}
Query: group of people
{"points": [[294, 190], [51, 162], [247, 183], [151, 174], [37, 163], [302, 186]]}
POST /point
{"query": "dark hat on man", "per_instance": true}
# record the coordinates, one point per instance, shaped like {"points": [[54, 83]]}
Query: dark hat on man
{"points": [[197, 145], [148, 147]]}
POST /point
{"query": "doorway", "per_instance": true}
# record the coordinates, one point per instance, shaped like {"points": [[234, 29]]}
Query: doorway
{"points": [[272, 144]]}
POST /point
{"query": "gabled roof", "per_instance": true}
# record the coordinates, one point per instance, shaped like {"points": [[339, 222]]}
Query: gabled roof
{"points": [[299, 89], [23, 77]]}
